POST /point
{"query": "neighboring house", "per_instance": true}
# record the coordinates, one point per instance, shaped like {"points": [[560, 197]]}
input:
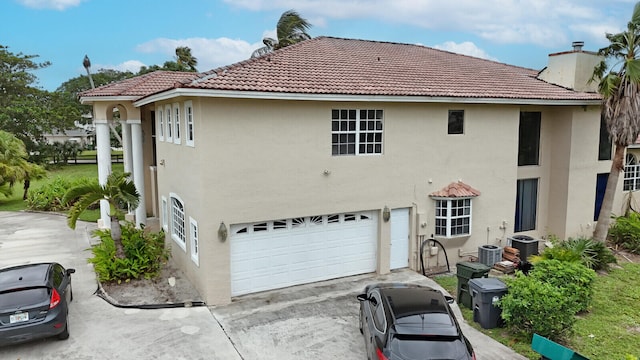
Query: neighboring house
{"points": [[81, 136], [336, 157]]}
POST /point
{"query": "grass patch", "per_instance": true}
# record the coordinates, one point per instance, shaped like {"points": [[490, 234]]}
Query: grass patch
{"points": [[15, 202], [610, 330]]}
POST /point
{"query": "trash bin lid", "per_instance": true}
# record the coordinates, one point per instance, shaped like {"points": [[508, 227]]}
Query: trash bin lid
{"points": [[473, 265], [485, 285]]}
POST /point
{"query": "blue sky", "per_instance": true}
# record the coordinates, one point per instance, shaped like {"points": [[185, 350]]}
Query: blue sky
{"points": [[126, 34]]}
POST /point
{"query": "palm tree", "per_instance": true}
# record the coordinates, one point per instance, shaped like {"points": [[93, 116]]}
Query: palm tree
{"points": [[620, 88], [291, 29], [185, 59], [119, 191], [14, 165]]}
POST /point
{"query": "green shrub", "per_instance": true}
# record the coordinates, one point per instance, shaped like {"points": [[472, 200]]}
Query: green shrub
{"points": [[48, 197], [592, 254], [144, 255], [625, 232], [574, 279], [534, 306], [546, 301]]}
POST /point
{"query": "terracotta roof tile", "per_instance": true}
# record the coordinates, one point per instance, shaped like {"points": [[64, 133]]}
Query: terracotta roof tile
{"points": [[456, 190], [143, 85], [326, 65]]}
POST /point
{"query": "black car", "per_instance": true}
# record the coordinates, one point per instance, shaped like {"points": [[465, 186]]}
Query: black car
{"points": [[34, 302], [410, 322]]}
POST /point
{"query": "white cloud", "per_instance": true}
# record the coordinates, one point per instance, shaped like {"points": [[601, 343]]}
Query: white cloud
{"points": [[548, 23], [211, 53], [50, 4], [465, 48]]}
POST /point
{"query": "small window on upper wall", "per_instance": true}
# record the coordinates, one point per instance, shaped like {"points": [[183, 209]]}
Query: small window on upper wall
{"points": [[160, 124], [605, 146], [176, 122], [188, 118], [168, 115], [456, 122]]}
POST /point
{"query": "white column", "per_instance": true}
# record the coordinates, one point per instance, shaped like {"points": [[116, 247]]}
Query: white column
{"points": [[126, 146], [138, 169], [103, 146]]}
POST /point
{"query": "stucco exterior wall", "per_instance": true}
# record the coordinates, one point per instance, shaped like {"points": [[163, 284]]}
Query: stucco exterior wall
{"points": [[259, 160]]}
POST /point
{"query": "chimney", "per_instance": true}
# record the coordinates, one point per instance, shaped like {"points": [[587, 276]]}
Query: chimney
{"points": [[572, 69]]}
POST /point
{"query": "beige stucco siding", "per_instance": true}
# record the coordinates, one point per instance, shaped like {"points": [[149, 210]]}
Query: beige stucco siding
{"points": [[260, 160]]}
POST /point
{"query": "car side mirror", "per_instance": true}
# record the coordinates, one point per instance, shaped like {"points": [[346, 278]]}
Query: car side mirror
{"points": [[71, 271], [449, 299], [362, 297]]}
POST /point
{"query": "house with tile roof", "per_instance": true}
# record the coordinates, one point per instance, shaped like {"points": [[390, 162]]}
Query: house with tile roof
{"points": [[335, 157]]}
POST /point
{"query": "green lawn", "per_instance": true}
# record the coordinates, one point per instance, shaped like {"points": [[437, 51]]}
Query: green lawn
{"points": [[15, 202], [610, 330]]}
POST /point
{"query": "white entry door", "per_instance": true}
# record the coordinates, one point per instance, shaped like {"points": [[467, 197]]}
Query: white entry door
{"points": [[399, 238], [281, 253]]}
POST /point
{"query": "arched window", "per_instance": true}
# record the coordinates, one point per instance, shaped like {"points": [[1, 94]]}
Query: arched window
{"points": [[178, 223], [631, 173]]}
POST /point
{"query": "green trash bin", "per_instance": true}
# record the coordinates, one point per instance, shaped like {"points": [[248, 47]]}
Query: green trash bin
{"points": [[465, 271]]}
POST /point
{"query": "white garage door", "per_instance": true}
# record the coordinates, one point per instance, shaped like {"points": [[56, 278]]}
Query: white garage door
{"points": [[281, 253], [399, 238]]}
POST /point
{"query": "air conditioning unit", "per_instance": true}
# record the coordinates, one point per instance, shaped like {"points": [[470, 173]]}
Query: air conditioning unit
{"points": [[489, 254], [526, 244]]}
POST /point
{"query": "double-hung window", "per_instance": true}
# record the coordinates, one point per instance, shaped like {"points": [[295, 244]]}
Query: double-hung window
{"points": [[529, 139], [453, 217], [178, 222], [168, 113], [188, 118], [356, 132], [160, 124], [176, 122]]}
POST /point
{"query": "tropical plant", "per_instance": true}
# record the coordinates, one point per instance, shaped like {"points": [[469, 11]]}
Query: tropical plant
{"points": [[291, 29], [144, 254], [590, 253], [119, 191], [619, 85], [185, 59], [14, 166], [625, 232]]}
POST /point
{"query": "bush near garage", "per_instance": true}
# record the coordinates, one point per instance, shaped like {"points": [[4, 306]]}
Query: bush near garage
{"points": [[625, 232], [144, 255], [546, 301]]}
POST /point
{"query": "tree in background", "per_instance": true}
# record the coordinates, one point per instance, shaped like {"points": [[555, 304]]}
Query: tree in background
{"points": [[185, 59], [27, 111], [14, 166], [619, 84], [291, 29]]}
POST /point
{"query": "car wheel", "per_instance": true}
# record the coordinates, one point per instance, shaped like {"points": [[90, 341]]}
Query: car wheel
{"points": [[64, 335], [71, 293]]}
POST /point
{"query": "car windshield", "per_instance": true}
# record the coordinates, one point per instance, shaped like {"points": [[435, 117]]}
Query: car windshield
{"points": [[416, 347], [23, 297]]}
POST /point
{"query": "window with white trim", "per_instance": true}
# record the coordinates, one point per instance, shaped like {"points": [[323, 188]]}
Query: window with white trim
{"points": [[356, 132], [176, 122], [193, 236], [160, 124], [453, 217], [631, 174], [177, 222], [167, 112], [188, 117]]}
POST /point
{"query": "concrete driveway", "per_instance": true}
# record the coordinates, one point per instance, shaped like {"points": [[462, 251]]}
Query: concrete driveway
{"points": [[99, 330], [310, 321]]}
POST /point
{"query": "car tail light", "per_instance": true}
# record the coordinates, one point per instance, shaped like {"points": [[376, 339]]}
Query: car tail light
{"points": [[473, 355], [55, 299], [380, 355]]}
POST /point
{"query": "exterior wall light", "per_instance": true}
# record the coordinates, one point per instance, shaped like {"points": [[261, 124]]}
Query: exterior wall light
{"points": [[222, 232], [386, 214]]}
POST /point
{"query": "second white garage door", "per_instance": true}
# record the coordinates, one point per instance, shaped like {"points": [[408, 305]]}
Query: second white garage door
{"points": [[281, 253]]}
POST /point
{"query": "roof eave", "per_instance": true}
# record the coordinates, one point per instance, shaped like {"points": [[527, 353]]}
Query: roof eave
{"points": [[88, 100], [264, 95]]}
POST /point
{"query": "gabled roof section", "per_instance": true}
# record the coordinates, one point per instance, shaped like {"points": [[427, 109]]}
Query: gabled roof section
{"points": [[327, 65], [141, 86], [456, 190]]}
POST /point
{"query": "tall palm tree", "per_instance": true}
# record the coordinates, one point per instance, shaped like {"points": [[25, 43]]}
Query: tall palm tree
{"points": [[119, 191], [292, 28], [620, 87], [185, 59]]}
